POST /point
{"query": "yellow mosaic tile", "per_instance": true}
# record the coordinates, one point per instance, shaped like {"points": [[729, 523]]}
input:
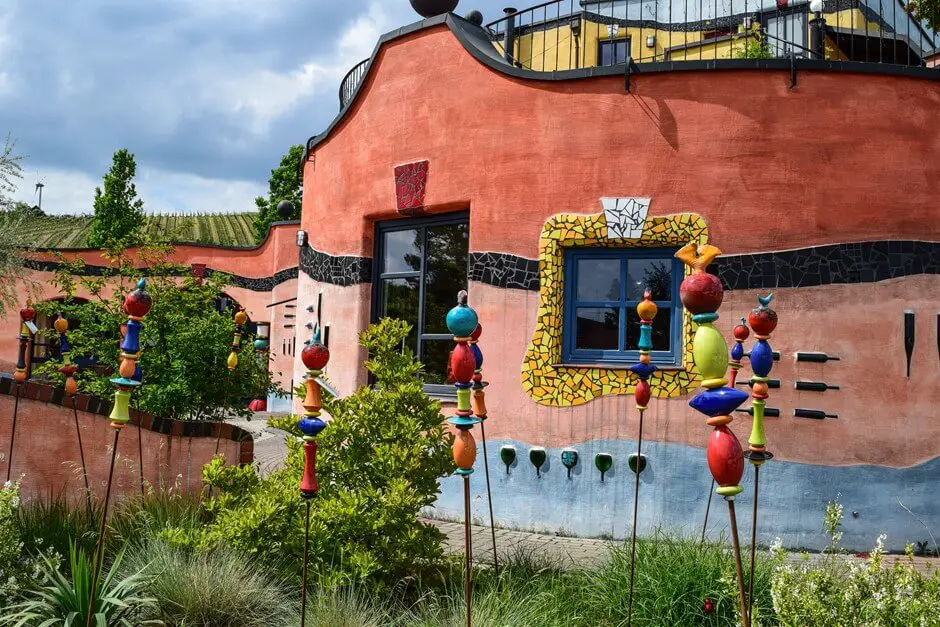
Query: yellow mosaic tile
{"points": [[548, 383]]}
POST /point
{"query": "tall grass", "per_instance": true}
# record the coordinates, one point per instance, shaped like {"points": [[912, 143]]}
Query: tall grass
{"points": [[219, 588]]}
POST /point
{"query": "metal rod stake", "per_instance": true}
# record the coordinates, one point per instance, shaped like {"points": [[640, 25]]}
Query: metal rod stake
{"points": [[81, 453], [636, 500], [16, 408], [99, 552], [467, 544], [737, 562], [140, 448], [303, 589], [750, 583], [489, 498], [708, 507]]}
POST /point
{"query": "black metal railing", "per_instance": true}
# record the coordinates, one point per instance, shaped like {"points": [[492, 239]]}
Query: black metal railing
{"points": [[350, 82], [572, 34]]}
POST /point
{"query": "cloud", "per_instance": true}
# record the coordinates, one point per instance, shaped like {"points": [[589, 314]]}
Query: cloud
{"points": [[208, 94]]}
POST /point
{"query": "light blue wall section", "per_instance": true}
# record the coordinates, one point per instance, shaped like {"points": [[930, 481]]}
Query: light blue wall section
{"points": [[674, 492]]}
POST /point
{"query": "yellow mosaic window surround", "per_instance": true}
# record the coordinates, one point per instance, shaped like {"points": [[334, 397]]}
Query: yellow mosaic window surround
{"points": [[544, 378]]}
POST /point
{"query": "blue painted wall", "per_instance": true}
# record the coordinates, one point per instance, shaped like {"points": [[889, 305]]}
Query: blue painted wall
{"points": [[674, 492]]}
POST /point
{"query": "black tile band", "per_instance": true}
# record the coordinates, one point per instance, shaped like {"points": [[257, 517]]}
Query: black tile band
{"points": [[336, 270]]}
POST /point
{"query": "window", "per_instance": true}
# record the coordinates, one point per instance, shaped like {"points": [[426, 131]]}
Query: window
{"points": [[613, 51], [602, 290], [420, 266], [787, 32]]}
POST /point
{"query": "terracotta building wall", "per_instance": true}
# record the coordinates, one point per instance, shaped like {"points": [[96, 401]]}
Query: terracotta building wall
{"points": [[47, 459], [823, 193]]}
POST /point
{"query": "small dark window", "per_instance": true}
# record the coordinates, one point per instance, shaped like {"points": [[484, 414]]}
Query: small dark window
{"points": [[421, 265], [613, 51], [603, 288]]}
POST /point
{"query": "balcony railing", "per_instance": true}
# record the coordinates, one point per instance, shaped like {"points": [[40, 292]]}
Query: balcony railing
{"points": [[349, 84], [573, 34]]}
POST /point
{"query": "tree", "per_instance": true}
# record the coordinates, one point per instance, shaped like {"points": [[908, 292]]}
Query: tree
{"points": [[286, 183], [13, 275], [119, 214], [185, 341], [378, 465], [927, 11]]}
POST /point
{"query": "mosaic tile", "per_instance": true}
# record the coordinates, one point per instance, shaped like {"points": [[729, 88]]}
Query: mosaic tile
{"points": [[336, 270], [548, 383], [411, 181], [625, 217]]}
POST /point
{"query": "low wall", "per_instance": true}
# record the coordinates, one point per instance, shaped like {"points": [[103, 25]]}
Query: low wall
{"points": [[47, 457]]}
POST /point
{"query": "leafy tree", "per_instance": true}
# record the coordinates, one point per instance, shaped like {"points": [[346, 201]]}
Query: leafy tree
{"points": [[119, 214], [378, 464], [927, 11], [185, 341], [286, 183], [13, 275]]}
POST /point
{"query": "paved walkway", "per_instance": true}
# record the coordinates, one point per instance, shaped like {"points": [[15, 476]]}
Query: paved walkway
{"points": [[564, 551]]}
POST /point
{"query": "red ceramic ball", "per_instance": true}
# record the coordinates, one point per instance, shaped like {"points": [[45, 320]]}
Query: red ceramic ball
{"points": [[27, 313], [137, 303], [642, 393], [476, 332], [763, 320], [725, 457], [315, 356], [701, 293], [708, 607], [741, 332], [462, 363]]}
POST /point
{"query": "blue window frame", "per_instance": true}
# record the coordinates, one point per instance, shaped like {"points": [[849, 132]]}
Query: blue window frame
{"points": [[602, 289]]}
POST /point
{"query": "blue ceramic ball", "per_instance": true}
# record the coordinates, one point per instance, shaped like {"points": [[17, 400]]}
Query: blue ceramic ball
{"points": [[462, 320], [311, 426]]}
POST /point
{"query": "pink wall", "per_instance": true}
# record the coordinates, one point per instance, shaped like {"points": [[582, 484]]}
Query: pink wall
{"points": [[46, 452]]}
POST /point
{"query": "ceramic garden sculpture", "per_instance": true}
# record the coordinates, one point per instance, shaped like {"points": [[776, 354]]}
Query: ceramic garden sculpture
{"points": [[642, 393], [27, 314], [462, 322], [763, 321], [137, 305], [240, 319], [479, 408], [701, 294], [315, 356], [68, 370]]}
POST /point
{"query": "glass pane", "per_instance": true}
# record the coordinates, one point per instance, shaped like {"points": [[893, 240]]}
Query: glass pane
{"points": [[655, 274], [598, 279], [446, 273], [400, 300], [662, 327], [402, 251], [606, 53], [597, 328], [436, 359]]}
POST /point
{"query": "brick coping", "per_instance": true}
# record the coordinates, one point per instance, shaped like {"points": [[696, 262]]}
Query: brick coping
{"points": [[44, 393]]}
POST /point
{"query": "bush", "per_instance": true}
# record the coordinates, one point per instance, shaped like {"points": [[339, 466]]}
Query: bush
{"points": [[63, 599], [378, 464], [215, 589], [836, 591]]}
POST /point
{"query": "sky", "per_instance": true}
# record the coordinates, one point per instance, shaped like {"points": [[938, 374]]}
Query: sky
{"points": [[208, 94]]}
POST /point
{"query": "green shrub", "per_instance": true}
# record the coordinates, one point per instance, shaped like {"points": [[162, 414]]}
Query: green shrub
{"points": [[63, 599], [834, 590], [378, 465], [219, 588]]}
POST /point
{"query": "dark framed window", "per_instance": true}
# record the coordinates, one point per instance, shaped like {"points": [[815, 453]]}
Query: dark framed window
{"points": [[603, 286], [788, 30], [613, 51], [420, 266]]}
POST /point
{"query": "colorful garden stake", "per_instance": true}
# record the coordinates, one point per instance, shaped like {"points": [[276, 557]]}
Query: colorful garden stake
{"points": [[479, 408], [261, 346], [68, 370], [701, 294], [763, 321], [462, 322], [27, 314], [137, 305], [642, 393], [240, 319], [315, 356], [740, 333]]}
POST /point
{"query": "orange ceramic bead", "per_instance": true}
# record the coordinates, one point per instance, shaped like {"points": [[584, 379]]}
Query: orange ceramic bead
{"points": [[465, 449]]}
